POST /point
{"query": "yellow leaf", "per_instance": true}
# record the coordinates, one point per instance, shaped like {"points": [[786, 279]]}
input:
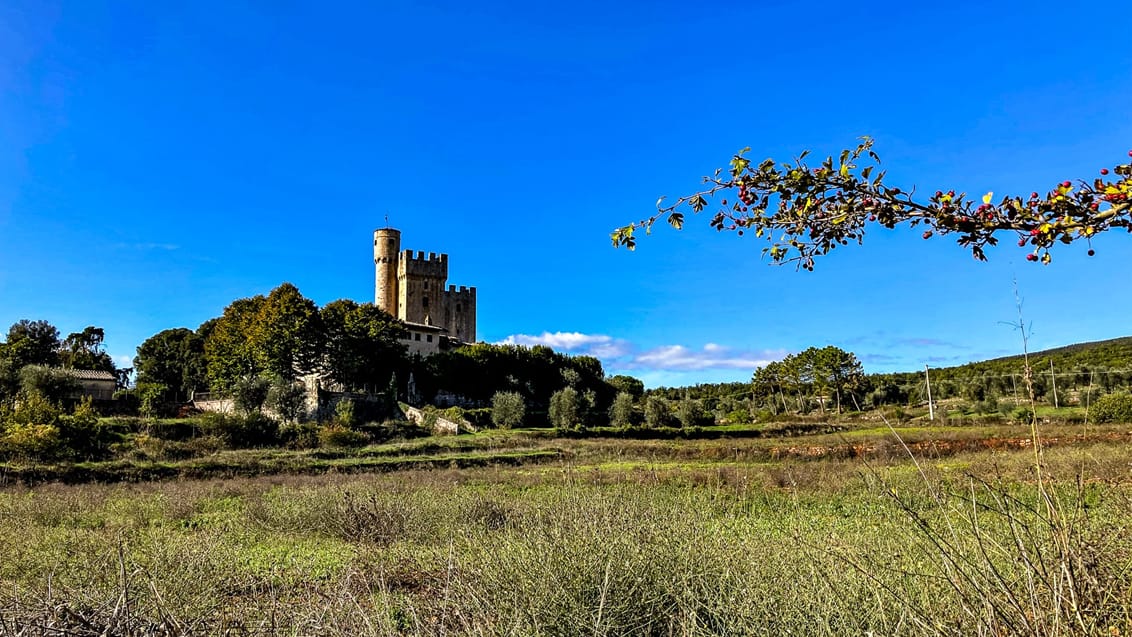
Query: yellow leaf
{"points": [[987, 197]]}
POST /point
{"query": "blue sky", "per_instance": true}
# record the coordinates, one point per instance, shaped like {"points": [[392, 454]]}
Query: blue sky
{"points": [[159, 160]]}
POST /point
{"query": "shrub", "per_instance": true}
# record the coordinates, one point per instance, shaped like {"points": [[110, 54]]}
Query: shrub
{"points": [[621, 412], [344, 413], [690, 413], [339, 436], [288, 400], [657, 413], [299, 436], [82, 433], [250, 394], [251, 430], [54, 384], [1113, 408], [564, 408], [149, 397], [507, 409], [29, 441]]}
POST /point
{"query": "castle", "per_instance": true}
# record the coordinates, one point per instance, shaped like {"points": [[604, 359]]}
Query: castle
{"points": [[412, 288]]}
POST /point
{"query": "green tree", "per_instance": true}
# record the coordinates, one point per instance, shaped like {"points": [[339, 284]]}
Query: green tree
{"points": [[150, 397], [28, 343], [278, 335], [288, 399], [83, 350], [32, 343], [690, 413], [507, 409], [838, 371], [627, 384], [249, 394], [54, 384], [806, 211], [564, 408], [657, 412], [174, 358], [287, 333], [621, 412], [230, 350], [768, 382], [362, 346]]}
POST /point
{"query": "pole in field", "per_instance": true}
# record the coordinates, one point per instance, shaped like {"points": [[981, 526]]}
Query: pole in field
{"points": [[928, 381]]}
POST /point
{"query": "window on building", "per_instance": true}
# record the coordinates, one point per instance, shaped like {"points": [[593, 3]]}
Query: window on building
{"points": [[417, 336], [424, 302], [457, 307], [430, 338]]}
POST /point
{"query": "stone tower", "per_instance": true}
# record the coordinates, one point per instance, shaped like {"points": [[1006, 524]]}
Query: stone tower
{"points": [[412, 287], [386, 250]]}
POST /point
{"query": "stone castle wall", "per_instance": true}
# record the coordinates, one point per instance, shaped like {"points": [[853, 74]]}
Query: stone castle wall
{"points": [[412, 286]]}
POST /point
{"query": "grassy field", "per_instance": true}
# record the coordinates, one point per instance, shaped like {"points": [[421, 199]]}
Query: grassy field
{"points": [[822, 534]]}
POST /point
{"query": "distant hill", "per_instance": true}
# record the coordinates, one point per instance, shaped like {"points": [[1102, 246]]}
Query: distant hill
{"points": [[1107, 364], [1110, 357]]}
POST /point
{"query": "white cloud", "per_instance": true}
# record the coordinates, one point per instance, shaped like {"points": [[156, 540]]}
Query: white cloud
{"points": [[599, 345], [620, 354], [711, 356]]}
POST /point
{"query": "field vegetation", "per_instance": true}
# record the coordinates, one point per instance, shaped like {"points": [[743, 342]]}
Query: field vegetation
{"points": [[789, 532]]}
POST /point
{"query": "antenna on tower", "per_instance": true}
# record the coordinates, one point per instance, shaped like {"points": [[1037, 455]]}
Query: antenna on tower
{"points": [[386, 218]]}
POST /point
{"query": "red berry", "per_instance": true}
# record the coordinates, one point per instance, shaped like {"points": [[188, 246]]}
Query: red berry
{"points": [[1104, 171], [1130, 153], [1033, 195], [1066, 184], [1021, 242], [1091, 252], [928, 234], [1031, 257], [939, 193], [1034, 232], [872, 217]]}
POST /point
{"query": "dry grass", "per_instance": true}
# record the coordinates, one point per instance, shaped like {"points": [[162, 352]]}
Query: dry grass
{"points": [[652, 541]]}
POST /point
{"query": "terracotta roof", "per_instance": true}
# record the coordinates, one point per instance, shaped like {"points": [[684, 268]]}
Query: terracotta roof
{"points": [[91, 374]]}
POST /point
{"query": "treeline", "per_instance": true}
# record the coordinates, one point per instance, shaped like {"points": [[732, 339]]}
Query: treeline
{"points": [[1074, 370], [829, 378], [273, 356], [355, 347]]}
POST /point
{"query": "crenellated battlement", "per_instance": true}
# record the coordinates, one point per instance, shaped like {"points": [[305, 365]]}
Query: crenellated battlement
{"points": [[424, 265]]}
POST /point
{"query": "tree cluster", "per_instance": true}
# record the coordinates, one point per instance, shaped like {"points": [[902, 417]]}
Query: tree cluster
{"points": [[281, 337], [825, 373], [32, 349]]}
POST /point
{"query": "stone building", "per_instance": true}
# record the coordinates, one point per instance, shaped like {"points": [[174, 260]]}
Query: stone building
{"points": [[99, 385], [414, 288]]}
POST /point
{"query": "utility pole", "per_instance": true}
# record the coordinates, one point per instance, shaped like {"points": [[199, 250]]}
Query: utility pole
{"points": [[928, 380], [1053, 381]]}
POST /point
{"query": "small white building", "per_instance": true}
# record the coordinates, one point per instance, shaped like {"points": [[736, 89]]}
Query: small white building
{"points": [[425, 339]]}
